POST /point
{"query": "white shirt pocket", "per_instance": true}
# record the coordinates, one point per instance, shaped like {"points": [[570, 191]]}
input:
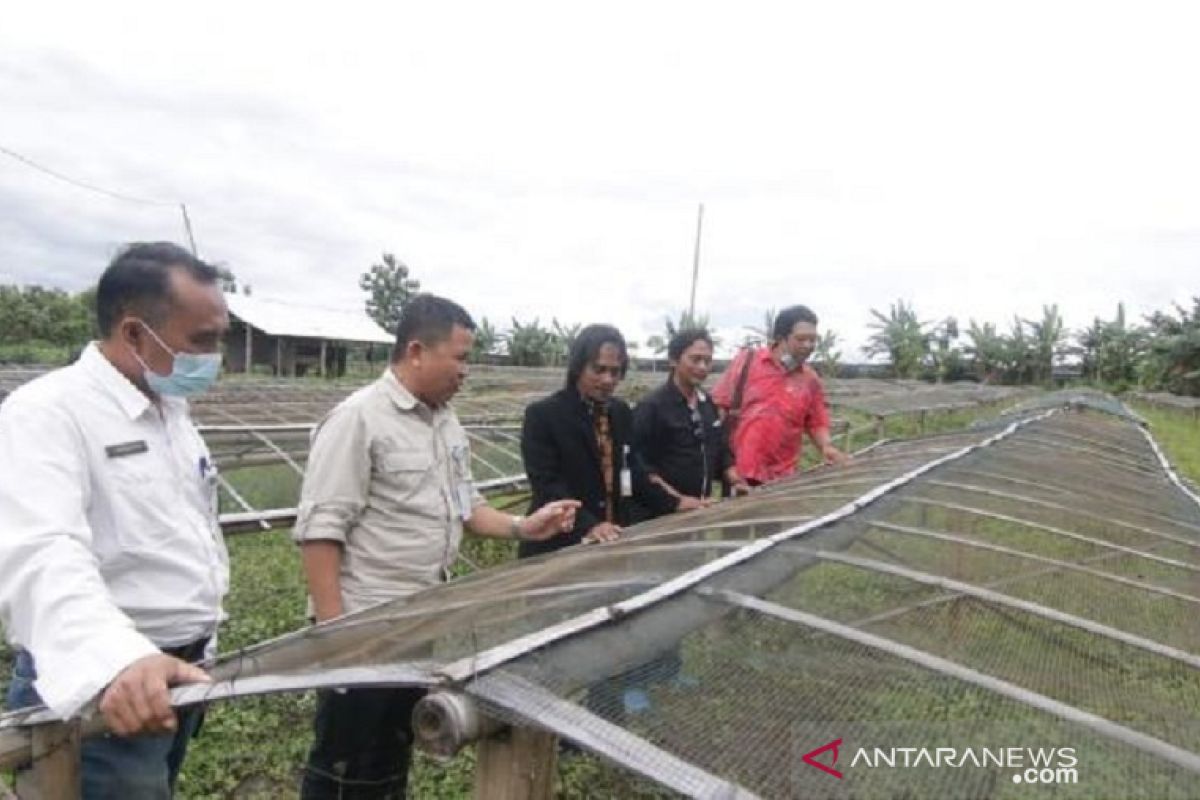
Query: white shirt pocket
{"points": [[142, 503]]}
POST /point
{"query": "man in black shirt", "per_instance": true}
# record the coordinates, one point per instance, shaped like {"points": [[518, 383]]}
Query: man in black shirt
{"points": [[576, 444], [677, 431]]}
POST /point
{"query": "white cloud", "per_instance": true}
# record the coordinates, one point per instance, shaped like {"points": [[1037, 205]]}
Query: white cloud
{"points": [[546, 159]]}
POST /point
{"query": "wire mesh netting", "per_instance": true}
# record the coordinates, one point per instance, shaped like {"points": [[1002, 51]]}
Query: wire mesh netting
{"points": [[951, 616]]}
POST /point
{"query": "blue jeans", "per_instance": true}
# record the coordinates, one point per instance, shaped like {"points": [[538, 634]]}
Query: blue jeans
{"points": [[116, 768]]}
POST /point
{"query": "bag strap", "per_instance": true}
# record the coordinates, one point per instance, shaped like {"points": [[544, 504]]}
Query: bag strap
{"points": [[739, 389]]}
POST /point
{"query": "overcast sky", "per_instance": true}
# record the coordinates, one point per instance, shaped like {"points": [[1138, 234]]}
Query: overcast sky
{"points": [[547, 160]]}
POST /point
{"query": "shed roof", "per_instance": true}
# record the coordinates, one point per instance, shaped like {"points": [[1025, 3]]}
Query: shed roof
{"points": [[279, 318]]}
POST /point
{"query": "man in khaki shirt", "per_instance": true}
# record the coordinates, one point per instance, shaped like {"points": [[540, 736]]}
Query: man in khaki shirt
{"points": [[386, 495]]}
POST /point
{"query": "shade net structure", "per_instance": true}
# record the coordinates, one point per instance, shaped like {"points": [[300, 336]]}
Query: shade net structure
{"points": [[886, 398], [1174, 402], [1031, 586]]}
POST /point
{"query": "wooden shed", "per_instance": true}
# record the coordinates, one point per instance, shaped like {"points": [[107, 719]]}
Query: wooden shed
{"points": [[295, 339]]}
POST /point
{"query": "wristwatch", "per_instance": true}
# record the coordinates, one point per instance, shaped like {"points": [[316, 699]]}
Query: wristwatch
{"points": [[514, 527]]}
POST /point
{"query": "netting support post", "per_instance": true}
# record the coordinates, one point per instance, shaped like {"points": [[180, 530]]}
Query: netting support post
{"points": [[249, 348], [55, 773], [516, 764]]}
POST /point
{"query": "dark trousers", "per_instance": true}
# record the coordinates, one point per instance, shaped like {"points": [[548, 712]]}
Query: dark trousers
{"points": [[133, 768], [362, 744]]}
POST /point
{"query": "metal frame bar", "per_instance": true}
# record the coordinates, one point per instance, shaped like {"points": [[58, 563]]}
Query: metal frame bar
{"points": [[224, 483], [1059, 563], [1062, 489], [546, 710], [279, 452], [949, 596], [1081, 512], [1132, 551], [1128, 498], [250, 428], [1099, 457], [999, 598], [1097, 724], [721, 525], [476, 456], [1088, 445]]}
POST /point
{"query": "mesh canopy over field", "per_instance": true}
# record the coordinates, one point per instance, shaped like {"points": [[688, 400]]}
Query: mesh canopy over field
{"points": [[1030, 582], [891, 397], [1034, 583], [265, 423]]}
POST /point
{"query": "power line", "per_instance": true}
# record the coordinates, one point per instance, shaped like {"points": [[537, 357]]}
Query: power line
{"points": [[187, 222], [81, 184]]}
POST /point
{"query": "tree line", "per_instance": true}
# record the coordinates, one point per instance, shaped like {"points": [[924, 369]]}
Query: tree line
{"points": [[1160, 353]]}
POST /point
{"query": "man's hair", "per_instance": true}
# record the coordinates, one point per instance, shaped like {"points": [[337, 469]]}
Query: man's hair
{"points": [[786, 319], [685, 338], [138, 281], [428, 319], [586, 349]]}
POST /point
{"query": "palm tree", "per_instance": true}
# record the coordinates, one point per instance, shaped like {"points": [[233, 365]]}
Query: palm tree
{"points": [[1087, 347], [826, 359], [1046, 347], [759, 336], [531, 345], [1121, 350], [901, 337], [564, 339], [487, 338], [1173, 360], [986, 349], [1019, 354], [943, 357]]}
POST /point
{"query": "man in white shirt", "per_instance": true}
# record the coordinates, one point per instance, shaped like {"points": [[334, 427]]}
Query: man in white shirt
{"points": [[387, 494], [112, 565]]}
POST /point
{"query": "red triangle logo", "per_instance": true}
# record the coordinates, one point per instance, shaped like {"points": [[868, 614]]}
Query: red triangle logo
{"points": [[810, 758]]}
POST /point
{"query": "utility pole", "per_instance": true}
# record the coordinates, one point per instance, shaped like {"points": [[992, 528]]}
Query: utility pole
{"points": [[187, 225], [696, 265]]}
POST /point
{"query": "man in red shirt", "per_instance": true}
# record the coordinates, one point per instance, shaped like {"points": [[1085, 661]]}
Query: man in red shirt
{"points": [[773, 400]]}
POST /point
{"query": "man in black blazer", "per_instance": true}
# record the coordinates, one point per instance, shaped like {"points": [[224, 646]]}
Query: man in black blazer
{"points": [[576, 444]]}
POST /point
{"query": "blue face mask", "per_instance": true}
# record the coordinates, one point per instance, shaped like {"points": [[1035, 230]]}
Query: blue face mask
{"points": [[191, 373]]}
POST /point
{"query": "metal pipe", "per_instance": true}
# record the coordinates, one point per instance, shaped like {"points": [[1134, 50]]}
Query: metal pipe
{"points": [[446, 721]]}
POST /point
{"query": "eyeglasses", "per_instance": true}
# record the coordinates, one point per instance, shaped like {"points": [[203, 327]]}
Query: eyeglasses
{"points": [[697, 424]]}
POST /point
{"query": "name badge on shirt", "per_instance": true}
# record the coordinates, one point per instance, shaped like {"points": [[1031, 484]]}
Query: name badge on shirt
{"points": [[462, 489], [127, 449], [626, 483], [463, 492]]}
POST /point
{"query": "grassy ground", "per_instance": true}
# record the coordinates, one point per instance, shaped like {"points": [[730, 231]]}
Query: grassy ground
{"points": [[1179, 434]]}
